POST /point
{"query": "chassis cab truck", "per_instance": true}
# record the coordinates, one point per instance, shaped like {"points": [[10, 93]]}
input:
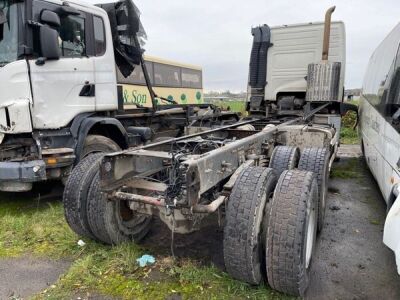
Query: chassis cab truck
{"points": [[59, 96], [265, 177]]}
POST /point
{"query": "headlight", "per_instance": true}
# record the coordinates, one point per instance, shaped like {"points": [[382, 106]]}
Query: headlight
{"points": [[1, 137]]}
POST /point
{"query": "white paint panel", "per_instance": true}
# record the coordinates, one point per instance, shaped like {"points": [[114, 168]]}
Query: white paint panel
{"points": [[105, 73], [391, 235], [294, 48], [15, 94], [56, 87]]}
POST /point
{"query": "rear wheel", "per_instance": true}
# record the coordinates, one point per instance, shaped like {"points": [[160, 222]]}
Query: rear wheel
{"points": [[284, 158], [246, 210], [113, 222], [317, 160], [292, 228]]}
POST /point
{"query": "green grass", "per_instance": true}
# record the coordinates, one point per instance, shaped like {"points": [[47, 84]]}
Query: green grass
{"points": [[37, 228], [349, 134], [233, 105], [348, 170]]}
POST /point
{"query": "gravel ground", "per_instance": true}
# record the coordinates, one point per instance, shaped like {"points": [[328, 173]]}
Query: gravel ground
{"points": [[351, 261]]}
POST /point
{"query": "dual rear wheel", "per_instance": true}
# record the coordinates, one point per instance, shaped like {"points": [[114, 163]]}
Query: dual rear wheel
{"points": [[272, 218]]}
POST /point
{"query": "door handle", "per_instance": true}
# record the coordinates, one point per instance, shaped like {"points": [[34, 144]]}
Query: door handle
{"points": [[88, 90]]}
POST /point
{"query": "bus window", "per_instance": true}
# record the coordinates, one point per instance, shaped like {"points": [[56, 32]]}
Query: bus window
{"points": [[137, 76], [166, 75], [191, 78], [392, 109]]}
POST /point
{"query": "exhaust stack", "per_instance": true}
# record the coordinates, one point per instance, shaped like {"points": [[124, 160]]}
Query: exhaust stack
{"points": [[327, 32], [323, 79]]}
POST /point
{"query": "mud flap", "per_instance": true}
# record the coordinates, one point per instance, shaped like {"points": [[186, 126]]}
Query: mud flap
{"points": [[391, 234]]}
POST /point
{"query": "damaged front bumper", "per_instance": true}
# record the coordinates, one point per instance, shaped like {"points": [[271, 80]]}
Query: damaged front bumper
{"points": [[391, 235], [19, 176]]}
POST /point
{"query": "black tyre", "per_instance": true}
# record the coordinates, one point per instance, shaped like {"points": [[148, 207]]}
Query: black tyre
{"points": [[75, 194], [113, 222], [246, 209], [284, 158], [317, 160], [95, 144], [98, 143], [292, 228]]}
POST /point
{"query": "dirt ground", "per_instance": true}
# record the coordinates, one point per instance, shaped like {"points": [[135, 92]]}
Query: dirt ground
{"points": [[351, 261]]}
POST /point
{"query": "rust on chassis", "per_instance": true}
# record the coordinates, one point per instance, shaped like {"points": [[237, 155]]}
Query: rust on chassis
{"points": [[195, 173]]}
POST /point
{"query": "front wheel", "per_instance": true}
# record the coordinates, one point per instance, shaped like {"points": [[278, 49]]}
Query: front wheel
{"points": [[98, 144], [113, 222]]}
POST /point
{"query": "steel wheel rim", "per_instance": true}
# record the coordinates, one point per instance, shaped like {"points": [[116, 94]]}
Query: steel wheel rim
{"points": [[310, 237]]}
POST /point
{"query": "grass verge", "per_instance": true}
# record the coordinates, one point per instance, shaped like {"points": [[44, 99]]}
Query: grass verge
{"points": [[32, 227], [349, 134]]}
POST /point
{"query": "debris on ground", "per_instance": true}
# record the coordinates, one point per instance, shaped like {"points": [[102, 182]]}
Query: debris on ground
{"points": [[81, 243], [146, 260]]}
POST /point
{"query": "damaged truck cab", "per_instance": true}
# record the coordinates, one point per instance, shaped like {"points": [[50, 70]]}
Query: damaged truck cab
{"points": [[59, 95]]}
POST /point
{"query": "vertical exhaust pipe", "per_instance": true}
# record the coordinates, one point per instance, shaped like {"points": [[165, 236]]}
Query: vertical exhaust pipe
{"points": [[327, 33], [324, 78]]}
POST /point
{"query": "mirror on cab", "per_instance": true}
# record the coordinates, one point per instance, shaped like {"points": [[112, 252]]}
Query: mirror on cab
{"points": [[49, 36]]}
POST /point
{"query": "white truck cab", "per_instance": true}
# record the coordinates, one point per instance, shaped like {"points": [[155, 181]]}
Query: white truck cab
{"points": [[59, 96]]}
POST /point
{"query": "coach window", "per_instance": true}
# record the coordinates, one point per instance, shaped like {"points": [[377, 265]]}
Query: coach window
{"points": [[72, 36], [166, 75], [191, 78], [137, 76], [393, 95], [99, 36]]}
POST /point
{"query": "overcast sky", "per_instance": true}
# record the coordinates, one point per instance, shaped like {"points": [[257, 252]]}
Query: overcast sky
{"points": [[215, 34]]}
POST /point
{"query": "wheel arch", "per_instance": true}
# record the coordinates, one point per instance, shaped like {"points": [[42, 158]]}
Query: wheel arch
{"points": [[107, 127]]}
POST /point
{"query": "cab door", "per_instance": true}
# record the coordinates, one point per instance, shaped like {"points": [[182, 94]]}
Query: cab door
{"points": [[63, 88], [104, 64]]}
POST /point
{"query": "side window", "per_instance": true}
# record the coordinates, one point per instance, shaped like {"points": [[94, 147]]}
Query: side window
{"points": [[137, 76], [99, 36], [166, 75], [191, 78], [393, 98], [72, 36]]}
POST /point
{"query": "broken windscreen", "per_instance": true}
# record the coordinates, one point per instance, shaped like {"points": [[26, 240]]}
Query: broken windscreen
{"points": [[8, 32]]}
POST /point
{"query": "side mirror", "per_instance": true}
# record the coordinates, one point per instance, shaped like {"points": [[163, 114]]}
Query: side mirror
{"points": [[50, 18], [49, 45]]}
